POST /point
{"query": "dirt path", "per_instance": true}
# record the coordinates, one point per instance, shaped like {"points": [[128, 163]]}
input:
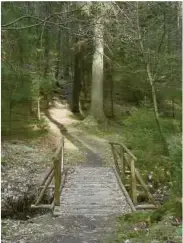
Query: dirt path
{"points": [[95, 150]]}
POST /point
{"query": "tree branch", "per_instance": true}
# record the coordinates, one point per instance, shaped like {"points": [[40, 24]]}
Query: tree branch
{"points": [[42, 21]]}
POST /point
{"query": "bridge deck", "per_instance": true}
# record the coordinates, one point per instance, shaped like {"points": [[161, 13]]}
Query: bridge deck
{"points": [[92, 191]]}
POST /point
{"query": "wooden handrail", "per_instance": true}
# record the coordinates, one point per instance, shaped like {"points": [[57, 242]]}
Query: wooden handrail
{"points": [[125, 148], [127, 158]]}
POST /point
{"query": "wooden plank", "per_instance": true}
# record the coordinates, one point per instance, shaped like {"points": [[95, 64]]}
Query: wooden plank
{"points": [[124, 190], [133, 182], [44, 189]]}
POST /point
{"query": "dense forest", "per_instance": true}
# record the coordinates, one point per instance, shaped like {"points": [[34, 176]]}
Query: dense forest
{"points": [[117, 66]]}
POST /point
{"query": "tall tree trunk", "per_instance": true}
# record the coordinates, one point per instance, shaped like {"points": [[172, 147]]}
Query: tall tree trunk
{"points": [[109, 79], [77, 82], [46, 54], [96, 110], [57, 69]]}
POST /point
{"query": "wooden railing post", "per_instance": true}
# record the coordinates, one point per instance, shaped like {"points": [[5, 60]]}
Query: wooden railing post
{"points": [[57, 176], [58, 165], [122, 163], [62, 156], [133, 182], [115, 159]]}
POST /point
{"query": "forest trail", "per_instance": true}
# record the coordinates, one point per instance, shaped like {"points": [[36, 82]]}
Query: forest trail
{"points": [[96, 151], [91, 198]]}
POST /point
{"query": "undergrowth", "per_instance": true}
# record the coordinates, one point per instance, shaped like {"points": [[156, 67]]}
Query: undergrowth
{"points": [[149, 226]]}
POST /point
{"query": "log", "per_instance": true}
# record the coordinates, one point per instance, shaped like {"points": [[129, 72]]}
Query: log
{"points": [[49, 206], [138, 185], [146, 206]]}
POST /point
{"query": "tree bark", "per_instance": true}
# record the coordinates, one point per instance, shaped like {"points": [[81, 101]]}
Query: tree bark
{"points": [[57, 70], [77, 83], [96, 110]]}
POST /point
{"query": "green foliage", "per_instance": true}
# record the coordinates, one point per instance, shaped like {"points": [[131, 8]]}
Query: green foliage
{"points": [[175, 147], [136, 217], [142, 132]]}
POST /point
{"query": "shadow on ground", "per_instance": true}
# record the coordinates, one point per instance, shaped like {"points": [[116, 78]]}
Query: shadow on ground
{"points": [[92, 159]]}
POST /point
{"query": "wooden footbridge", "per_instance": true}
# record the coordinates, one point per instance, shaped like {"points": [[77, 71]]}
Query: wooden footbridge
{"points": [[99, 191]]}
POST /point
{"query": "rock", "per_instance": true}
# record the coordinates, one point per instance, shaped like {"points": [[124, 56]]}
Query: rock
{"points": [[128, 241]]}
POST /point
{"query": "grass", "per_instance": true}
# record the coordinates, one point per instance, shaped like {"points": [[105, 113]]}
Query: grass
{"points": [[147, 226]]}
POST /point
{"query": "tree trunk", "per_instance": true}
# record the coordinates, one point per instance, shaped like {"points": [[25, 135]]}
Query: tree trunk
{"points": [[156, 113], [110, 80], [57, 69], [77, 83], [96, 110]]}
